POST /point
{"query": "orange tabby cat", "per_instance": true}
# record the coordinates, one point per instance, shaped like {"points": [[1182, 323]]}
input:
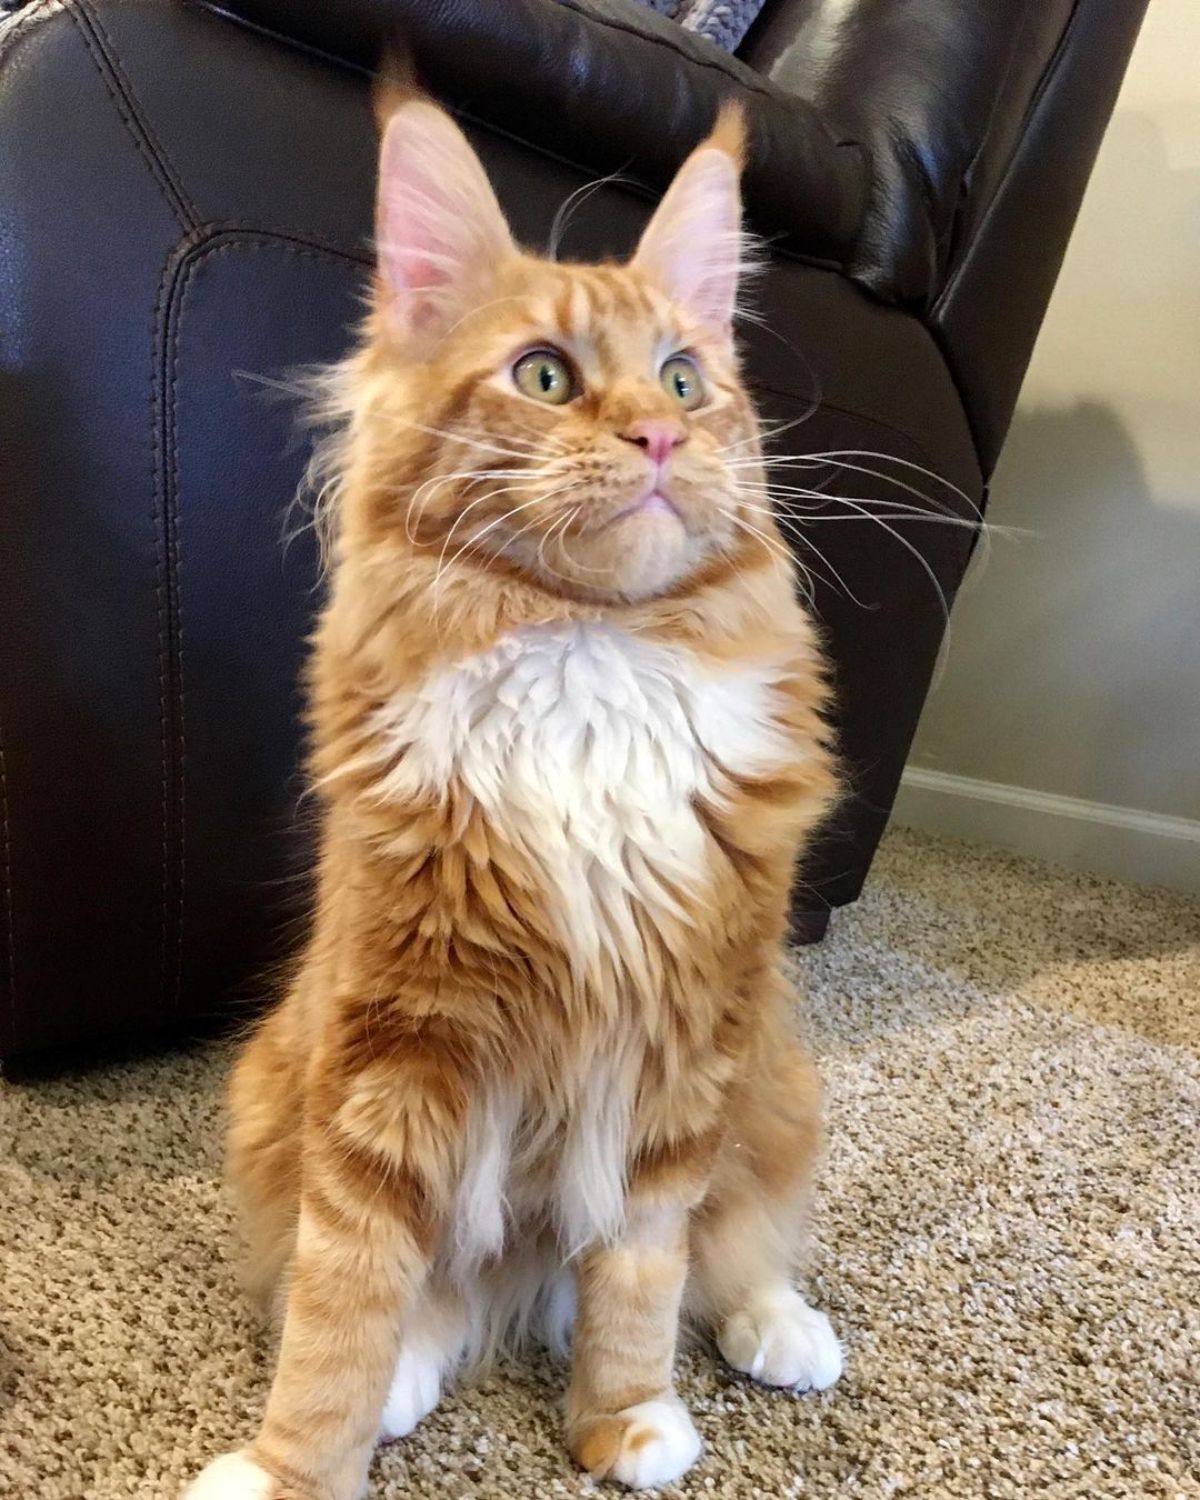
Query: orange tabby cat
{"points": [[536, 1067]]}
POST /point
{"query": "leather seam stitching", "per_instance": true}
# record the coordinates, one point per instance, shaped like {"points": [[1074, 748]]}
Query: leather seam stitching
{"points": [[159, 527], [175, 620], [113, 58], [10, 35], [203, 240], [9, 927], [128, 115], [206, 243]]}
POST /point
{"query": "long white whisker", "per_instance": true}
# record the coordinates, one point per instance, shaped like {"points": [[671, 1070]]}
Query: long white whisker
{"points": [[471, 442], [563, 521], [776, 487], [431, 485], [444, 567], [521, 530], [571, 205], [772, 542], [464, 513], [837, 458], [561, 527], [910, 488], [469, 545], [794, 528], [767, 433], [905, 513], [473, 542], [788, 497], [840, 454], [794, 564], [575, 563], [908, 546]]}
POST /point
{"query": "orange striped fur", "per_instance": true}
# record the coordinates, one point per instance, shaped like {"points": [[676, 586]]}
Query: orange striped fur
{"points": [[536, 1067]]}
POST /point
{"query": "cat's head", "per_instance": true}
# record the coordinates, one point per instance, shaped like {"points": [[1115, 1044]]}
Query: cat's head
{"points": [[585, 425]]}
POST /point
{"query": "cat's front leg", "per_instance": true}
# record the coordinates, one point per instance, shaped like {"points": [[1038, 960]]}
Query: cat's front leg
{"points": [[378, 1163], [624, 1420], [746, 1236], [337, 1355]]}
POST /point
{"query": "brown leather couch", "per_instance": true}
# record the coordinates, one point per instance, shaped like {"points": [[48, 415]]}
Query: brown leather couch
{"points": [[185, 196]]}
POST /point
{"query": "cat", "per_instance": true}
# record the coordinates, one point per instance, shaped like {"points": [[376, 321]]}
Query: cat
{"points": [[569, 734]]}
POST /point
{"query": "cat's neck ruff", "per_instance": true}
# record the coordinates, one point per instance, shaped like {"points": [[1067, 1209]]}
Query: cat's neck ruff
{"points": [[588, 749], [580, 690]]}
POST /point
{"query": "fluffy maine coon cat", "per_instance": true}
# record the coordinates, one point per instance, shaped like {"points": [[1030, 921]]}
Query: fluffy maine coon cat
{"points": [[536, 1067]]}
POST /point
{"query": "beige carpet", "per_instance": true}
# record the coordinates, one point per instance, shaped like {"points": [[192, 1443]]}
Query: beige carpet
{"points": [[1010, 1239]]}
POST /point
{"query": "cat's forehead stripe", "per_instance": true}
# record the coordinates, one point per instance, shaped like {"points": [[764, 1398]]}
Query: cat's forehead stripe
{"points": [[604, 312], [578, 314], [588, 294]]}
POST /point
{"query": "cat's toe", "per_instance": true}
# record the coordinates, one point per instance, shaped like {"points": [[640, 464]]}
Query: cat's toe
{"points": [[416, 1387], [648, 1444], [233, 1477], [780, 1340]]}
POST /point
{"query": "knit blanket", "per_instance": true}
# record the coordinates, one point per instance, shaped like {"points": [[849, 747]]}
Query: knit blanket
{"points": [[724, 22]]}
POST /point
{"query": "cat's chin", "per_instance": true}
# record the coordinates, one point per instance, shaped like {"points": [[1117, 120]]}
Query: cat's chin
{"points": [[644, 552]]}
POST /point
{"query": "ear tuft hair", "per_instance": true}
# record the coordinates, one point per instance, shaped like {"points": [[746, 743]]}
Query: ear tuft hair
{"points": [[395, 85], [694, 245], [730, 131]]}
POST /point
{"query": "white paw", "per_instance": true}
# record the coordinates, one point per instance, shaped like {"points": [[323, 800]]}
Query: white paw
{"points": [[780, 1340], [416, 1386], [234, 1477], [657, 1446]]}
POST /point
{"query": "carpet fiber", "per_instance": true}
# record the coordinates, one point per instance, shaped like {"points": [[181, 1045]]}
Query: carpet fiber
{"points": [[1009, 1240]]}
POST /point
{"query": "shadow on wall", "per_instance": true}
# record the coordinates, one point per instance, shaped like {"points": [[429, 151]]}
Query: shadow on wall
{"points": [[1075, 661], [1076, 652]]}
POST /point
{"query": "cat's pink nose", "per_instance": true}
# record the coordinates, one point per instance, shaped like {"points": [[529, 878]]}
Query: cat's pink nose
{"points": [[656, 436]]}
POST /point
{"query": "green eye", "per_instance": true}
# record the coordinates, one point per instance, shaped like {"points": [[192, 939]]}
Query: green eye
{"points": [[680, 378], [544, 376]]}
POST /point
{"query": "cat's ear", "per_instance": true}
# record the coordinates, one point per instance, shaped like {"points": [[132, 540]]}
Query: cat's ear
{"points": [[439, 230], [693, 247]]}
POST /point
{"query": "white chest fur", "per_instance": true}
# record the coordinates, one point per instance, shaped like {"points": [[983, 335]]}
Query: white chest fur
{"points": [[587, 747]]}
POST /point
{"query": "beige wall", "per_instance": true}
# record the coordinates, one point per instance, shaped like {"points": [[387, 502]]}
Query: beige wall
{"points": [[1074, 664]]}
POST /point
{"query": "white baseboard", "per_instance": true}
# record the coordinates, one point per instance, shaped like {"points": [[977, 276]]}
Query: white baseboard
{"points": [[1119, 842]]}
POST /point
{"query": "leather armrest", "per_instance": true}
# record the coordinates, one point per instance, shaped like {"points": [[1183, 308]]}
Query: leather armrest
{"points": [[607, 84], [981, 119]]}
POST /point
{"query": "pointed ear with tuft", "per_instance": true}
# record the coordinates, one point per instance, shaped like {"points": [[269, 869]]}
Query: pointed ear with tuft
{"points": [[439, 229], [693, 245]]}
